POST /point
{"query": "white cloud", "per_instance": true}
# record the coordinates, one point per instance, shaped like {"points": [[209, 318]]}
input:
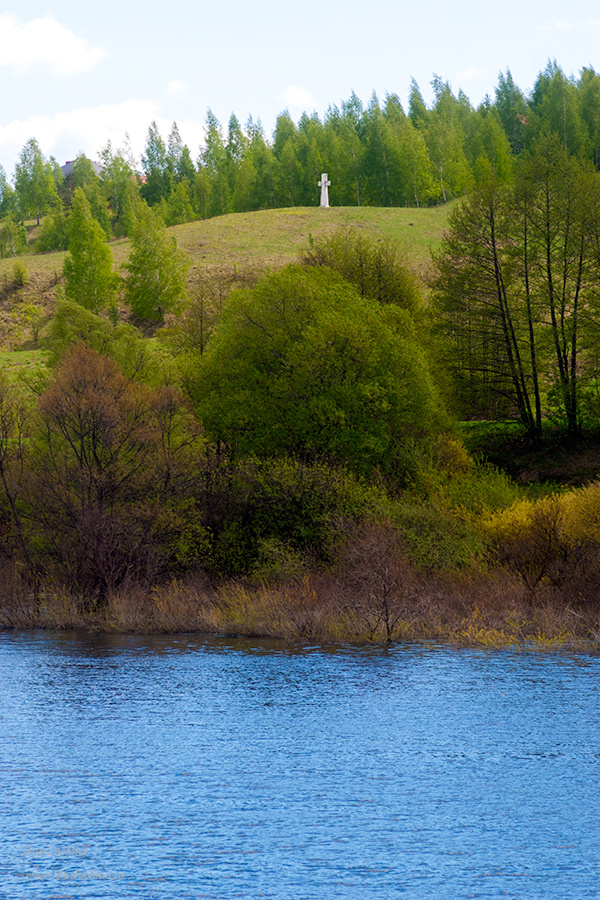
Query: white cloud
{"points": [[45, 43], [175, 88], [560, 25], [86, 129], [470, 74], [89, 128], [564, 25], [297, 98]]}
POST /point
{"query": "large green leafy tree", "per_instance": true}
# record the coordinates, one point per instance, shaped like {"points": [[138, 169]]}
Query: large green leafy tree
{"points": [[444, 136], [35, 184], [83, 175], [157, 269], [261, 168], [303, 365], [413, 171], [480, 307], [554, 109], [289, 171], [213, 164], [344, 151], [88, 267], [511, 106], [378, 160], [179, 159]]}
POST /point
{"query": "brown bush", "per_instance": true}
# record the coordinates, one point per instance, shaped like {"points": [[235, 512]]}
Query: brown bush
{"points": [[378, 587], [106, 479]]}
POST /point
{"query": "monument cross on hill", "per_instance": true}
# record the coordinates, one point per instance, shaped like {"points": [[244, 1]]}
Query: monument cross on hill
{"points": [[324, 185]]}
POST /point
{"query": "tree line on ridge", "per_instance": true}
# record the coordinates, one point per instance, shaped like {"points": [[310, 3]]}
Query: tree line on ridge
{"points": [[376, 154]]}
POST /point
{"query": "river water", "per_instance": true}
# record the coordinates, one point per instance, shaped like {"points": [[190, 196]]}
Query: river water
{"points": [[190, 767]]}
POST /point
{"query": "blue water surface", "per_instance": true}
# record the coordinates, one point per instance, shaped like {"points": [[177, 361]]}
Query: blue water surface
{"points": [[190, 767]]}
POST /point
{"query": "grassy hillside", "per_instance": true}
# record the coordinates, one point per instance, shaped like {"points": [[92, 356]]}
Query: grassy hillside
{"points": [[275, 237], [238, 242]]}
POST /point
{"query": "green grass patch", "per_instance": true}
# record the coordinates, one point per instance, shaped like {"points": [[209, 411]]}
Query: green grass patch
{"points": [[15, 362], [274, 237]]}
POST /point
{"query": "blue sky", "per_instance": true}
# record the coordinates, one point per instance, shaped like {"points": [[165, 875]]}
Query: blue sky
{"points": [[74, 75]]}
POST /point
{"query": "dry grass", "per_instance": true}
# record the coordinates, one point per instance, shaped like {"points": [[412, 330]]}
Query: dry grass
{"points": [[24, 309], [485, 610]]}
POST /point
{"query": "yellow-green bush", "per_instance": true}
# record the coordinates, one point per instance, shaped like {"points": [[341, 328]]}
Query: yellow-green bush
{"points": [[554, 540], [582, 514]]}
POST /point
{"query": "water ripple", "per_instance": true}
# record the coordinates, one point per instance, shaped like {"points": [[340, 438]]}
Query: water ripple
{"points": [[188, 767]]}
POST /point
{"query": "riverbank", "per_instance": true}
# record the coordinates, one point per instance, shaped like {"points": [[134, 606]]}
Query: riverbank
{"points": [[491, 610]]}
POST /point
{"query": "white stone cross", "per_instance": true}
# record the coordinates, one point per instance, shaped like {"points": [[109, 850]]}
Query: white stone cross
{"points": [[324, 184]]}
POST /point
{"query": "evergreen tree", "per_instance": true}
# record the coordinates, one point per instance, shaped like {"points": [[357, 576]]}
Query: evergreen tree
{"points": [[213, 161], [555, 104], [261, 171], [511, 106], [157, 269], [88, 267], [488, 146], [285, 145], [445, 144], [417, 111], [156, 168], [177, 208], [377, 162], [179, 160], [235, 150], [345, 151], [120, 184]]}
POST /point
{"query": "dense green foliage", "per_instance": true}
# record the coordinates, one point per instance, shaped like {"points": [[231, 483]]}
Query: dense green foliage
{"points": [[277, 517], [13, 237], [378, 154], [35, 182], [304, 388], [516, 292], [88, 267], [375, 269], [261, 431], [303, 365], [156, 271]]}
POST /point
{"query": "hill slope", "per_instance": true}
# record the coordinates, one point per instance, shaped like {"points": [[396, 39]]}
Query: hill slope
{"points": [[240, 241], [275, 237]]}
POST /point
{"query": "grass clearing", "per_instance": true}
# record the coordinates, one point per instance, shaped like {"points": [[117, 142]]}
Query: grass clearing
{"points": [[273, 238]]}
